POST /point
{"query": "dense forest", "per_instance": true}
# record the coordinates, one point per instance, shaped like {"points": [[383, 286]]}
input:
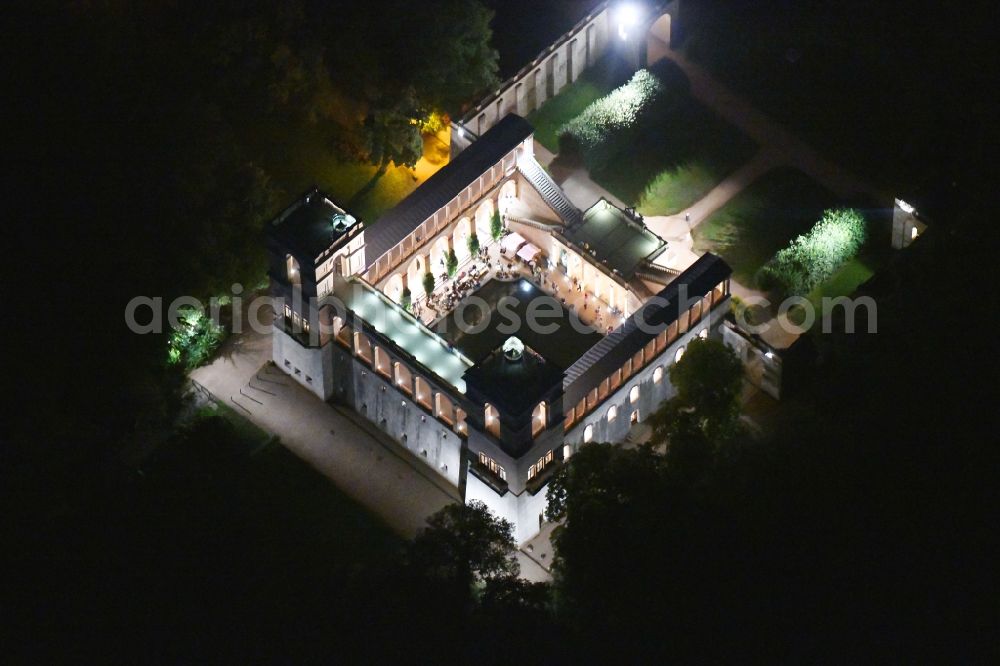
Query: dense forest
{"points": [[148, 143]]}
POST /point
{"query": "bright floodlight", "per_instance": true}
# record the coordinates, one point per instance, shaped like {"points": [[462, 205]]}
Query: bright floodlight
{"points": [[628, 14]]}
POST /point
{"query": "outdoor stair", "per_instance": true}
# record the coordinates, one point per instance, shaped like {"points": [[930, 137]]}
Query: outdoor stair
{"points": [[551, 193], [656, 273], [537, 224]]}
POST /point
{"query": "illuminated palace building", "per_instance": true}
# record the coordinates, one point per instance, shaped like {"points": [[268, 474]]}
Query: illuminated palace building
{"points": [[551, 328]]}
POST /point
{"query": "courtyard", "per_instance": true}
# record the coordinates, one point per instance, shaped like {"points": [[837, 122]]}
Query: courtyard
{"points": [[762, 219], [773, 210], [476, 332], [676, 151]]}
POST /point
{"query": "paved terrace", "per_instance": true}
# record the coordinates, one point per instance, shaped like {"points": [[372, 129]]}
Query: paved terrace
{"points": [[353, 454]]}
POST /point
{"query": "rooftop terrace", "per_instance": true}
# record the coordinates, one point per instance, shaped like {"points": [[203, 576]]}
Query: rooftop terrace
{"points": [[614, 239], [405, 331], [312, 224]]}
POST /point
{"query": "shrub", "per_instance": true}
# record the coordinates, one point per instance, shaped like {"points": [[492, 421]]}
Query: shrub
{"points": [[406, 298], [194, 340], [473, 242], [496, 225], [428, 282], [434, 123], [813, 257], [612, 114], [451, 263]]}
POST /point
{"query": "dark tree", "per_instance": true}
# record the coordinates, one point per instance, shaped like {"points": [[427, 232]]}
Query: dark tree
{"points": [[454, 57], [392, 136], [708, 379], [428, 282], [465, 544]]}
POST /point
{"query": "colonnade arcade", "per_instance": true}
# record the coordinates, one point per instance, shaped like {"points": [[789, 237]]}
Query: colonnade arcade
{"points": [[432, 256]]}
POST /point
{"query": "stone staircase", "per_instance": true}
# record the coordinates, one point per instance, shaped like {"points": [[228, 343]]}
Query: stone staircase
{"points": [[654, 273], [537, 224], [551, 193]]}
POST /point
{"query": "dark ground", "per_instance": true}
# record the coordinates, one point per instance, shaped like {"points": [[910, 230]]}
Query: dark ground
{"points": [[562, 346], [523, 28]]}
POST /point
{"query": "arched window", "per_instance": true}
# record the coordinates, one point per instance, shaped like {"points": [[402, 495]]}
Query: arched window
{"points": [[383, 364], [292, 269], [422, 391], [679, 354], [492, 419], [588, 434], [362, 347], [633, 394], [443, 408], [539, 418], [658, 374], [612, 413], [508, 194], [403, 377]]}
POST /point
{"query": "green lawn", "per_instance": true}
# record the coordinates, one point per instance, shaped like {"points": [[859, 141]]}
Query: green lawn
{"points": [[606, 75], [844, 282], [874, 256], [678, 152], [300, 159], [762, 219], [674, 190], [246, 431], [823, 81], [273, 516]]}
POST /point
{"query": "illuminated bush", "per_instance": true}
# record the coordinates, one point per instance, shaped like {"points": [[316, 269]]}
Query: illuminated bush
{"points": [[496, 225], [194, 340], [618, 111], [812, 258]]}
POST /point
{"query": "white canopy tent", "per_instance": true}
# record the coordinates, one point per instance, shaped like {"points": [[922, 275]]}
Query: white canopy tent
{"points": [[511, 242], [528, 252]]}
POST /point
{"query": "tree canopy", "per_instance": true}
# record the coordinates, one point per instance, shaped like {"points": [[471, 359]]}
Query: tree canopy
{"points": [[705, 411], [708, 379], [465, 544], [172, 132]]}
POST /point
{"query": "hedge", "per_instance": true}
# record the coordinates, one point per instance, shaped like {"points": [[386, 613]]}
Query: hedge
{"points": [[813, 257], [608, 118]]}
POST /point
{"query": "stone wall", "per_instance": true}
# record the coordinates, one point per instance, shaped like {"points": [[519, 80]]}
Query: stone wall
{"points": [[907, 224], [651, 393], [375, 398], [309, 366], [522, 510], [544, 77], [762, 365], [561, 63]]}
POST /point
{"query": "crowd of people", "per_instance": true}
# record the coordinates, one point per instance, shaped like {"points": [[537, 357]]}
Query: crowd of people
{"points": [[451, 292]]}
